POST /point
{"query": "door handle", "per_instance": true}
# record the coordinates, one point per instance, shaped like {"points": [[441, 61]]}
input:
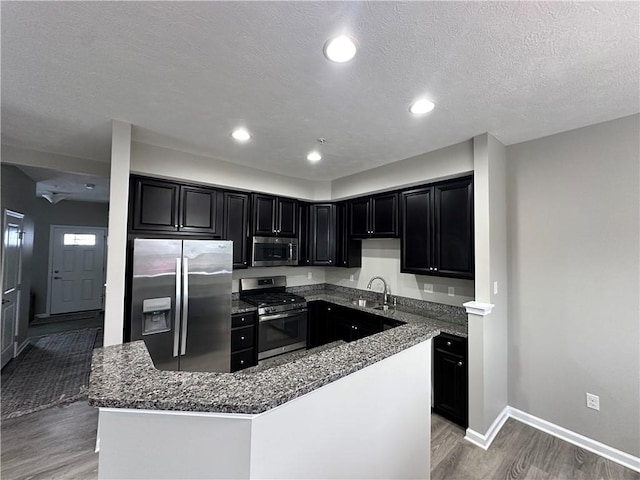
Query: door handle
{"points": [[185, 305], [4, 302], [176, 320], [57, 278]]}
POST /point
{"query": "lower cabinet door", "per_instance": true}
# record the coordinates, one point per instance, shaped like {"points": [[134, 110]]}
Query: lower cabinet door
{"points": [[450, 389], [243, 359]]}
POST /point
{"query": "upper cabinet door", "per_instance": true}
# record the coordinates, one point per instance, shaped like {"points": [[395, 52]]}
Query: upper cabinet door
{"points": [[287, 217], [275, 216], [161, 206], [200, 211], [375, 216], [323, 234], [359, 213], [454, 228], [416, 245], [384, 215], [348, 250], [155, 205], [236, 226], [264, 215]]}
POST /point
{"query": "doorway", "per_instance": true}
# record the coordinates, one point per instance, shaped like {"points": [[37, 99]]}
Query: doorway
{"points": [[76, 269], [11, 275]]}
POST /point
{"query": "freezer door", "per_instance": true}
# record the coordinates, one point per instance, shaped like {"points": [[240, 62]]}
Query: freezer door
{"points": [[155, 295], [205, 342]]}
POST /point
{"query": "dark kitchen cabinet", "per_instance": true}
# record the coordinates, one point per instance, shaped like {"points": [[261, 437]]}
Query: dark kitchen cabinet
{"points": [[322, 234], [374, 216], [348, 250], [236, 226], [304, 240], [274, 216], [162, 206], [320, 329], [450, 378], [244, 341], [437, 229], [350, 324]]}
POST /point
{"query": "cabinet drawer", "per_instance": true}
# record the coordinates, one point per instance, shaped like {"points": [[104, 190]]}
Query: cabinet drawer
{"points": [[451, 344], [244, 359], [242, 338], [243, 319]]}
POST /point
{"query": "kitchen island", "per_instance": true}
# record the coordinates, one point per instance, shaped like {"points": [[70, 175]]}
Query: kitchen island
{"points": [[357, 410]]}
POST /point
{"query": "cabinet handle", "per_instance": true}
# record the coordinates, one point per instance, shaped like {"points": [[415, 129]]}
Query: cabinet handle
{"points": [[345, 262], [330, 261], [435, 268], [448, 344], [244, 263], [459, 364], [242, 319], [175, 226], [241, 338], [241, 362], [328, 309]]}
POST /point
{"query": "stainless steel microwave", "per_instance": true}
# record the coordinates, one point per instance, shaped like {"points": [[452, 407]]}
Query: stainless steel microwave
{"points": [[272, 251]]}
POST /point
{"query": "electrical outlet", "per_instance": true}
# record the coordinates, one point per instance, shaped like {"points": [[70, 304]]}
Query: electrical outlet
{"points": [[593, 401], [351, 278], [309, 275], [428, 287], [452, 291], [495, 288]]}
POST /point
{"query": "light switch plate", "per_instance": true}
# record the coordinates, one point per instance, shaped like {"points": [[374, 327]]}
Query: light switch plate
{"points": [[452, 291], [495, 288], [309, 275]]}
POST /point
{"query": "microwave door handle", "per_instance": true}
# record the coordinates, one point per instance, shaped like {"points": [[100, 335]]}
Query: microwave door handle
{"points": [[176, 322], [185, 306], [291, 251]]}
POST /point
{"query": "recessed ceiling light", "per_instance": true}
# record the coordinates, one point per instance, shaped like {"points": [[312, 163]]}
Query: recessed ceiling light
{"points": [[241, 134], [340, 49], [422, 106], [314, 157]]}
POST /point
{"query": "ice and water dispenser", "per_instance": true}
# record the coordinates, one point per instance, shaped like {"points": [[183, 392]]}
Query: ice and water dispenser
{"points": [[156, 313]]}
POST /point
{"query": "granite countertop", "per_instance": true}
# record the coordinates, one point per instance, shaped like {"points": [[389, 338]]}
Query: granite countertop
{"points": [[123, 376]]}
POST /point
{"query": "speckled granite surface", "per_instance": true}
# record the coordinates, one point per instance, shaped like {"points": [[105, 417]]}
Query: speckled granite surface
{"points": [[123, 376], [446, 318], [238, 306]]}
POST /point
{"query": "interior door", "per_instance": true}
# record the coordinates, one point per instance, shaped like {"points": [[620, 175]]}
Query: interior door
{"points": [[11, 273], [77, 268]]}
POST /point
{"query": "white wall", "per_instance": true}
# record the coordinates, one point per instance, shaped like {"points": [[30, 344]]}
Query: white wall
{"points": [[573, 210], [117, 236], [381, 257], [454, 160], [488, 333], [163, 162], [62, 163]]}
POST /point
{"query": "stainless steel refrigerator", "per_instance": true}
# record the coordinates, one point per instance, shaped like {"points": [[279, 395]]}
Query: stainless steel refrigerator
{"points": [[181, 302]]}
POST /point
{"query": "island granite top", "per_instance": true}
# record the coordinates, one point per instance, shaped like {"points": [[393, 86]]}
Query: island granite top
{"points": [[123, 376]]}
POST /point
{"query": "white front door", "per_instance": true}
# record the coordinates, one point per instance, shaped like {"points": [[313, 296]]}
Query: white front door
{"points": [[11, 274], [76, 276]]}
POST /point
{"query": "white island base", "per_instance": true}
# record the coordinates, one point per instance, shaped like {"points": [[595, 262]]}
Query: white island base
{"points": [[374, 423]]}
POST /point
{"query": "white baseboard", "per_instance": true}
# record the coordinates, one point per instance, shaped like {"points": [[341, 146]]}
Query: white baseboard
{"points": [[484, 440], [21, 347], [581, 441]]}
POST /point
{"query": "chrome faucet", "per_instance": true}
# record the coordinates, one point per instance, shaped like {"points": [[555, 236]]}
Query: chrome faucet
{"points": [[386, 288]]}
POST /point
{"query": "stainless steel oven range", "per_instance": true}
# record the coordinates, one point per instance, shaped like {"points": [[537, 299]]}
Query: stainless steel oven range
{"points": [[282, 316]]}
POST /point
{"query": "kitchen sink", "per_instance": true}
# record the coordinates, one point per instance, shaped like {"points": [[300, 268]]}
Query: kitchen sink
{"points": [[384, 308], [366, 303]]}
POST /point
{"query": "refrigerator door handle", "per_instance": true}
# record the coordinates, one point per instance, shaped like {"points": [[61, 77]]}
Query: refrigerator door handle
{"points": [[185, 306], [176, 323]]}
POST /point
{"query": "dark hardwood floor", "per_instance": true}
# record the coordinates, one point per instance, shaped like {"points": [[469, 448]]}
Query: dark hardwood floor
{"points": [[518, 451], [59, 443]]}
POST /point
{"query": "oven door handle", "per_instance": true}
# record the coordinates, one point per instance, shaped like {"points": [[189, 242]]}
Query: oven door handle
{"points": [[289, 313]]}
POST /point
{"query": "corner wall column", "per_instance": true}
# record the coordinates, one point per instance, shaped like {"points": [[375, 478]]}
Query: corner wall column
{"points": [[117, 236]]}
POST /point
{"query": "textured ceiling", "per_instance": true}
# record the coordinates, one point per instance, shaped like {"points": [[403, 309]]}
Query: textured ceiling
{"points": [[186, 73]]}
